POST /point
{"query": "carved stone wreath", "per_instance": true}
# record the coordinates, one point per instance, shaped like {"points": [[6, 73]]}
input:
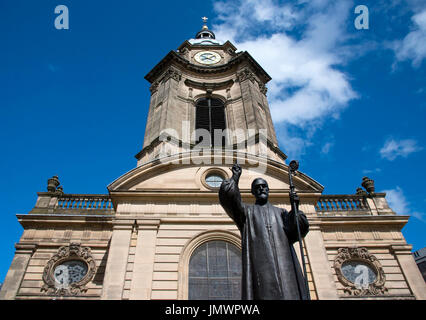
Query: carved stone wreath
{"points": [[72, 252], [362, 255]]}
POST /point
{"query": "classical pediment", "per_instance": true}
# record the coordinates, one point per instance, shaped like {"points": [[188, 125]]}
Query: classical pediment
{"points": [[187, 173]]}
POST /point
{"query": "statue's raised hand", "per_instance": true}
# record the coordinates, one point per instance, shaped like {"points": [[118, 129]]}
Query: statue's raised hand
{"points": [[236, 172]]}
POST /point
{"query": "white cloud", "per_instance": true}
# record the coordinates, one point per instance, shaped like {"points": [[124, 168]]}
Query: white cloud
{"points": [[295, 144], [300, 46], [399, 204], [402, 148], [397, 200], [413, 46], [235, 14], [369, 171]]}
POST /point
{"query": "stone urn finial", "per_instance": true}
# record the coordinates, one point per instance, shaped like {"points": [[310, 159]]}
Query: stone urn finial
{"points": [[60, 190], [361, 192], [368, 184], [52, 184]]}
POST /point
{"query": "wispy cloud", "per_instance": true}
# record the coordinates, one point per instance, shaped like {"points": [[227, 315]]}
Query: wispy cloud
{"points": [[398, 203], [393, 149], [326, 147], [301, 45], [369, 171], [397, 200], [413, 46]]}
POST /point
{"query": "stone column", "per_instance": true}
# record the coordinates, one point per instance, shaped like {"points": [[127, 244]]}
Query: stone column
{"points": [[320, 266], [115, 270], [410, 270], [16, 271], [144, 260]]}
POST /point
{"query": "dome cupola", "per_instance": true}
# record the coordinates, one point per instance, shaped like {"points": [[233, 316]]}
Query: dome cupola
{"points": [[205, 36], [205, 33]]}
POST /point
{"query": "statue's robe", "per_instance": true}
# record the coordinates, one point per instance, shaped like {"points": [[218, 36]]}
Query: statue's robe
{"points": [[270, 268]]}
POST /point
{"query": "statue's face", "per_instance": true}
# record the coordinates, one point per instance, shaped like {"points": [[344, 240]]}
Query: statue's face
{"points": [[260, 189]]}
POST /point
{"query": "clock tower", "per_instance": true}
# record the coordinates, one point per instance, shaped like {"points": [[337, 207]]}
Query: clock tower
{"points": [[207, 95]]}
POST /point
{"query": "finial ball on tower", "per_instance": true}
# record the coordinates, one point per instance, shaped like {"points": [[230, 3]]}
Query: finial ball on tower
{"points": [[205, 22]]}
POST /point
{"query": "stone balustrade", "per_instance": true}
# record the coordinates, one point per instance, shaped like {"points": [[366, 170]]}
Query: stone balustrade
{"points": [[99, 202], [327, 205], [342, 204]]}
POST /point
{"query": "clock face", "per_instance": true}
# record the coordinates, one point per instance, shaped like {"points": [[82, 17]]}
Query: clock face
{"points": [[207, 57], [70, 272]]}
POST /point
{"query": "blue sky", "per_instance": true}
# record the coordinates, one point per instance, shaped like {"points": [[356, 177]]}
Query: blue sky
{"points": [[347, 103]]}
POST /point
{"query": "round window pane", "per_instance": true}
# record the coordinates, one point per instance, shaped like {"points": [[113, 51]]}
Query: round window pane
{"points": [[70, 272], [214, 180], [359, 273]]}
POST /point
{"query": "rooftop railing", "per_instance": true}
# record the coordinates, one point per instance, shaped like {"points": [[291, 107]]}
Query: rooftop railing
{"points": [[342, 204], [84, 202]]}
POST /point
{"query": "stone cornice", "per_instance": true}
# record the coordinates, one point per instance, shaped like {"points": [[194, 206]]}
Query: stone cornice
{"points": [[401, 249], [25, 248], [363, 220], [196, 193], [27, 220], [180, 143], [40, 244], [209, 85], [173, 57], [226, 46]]}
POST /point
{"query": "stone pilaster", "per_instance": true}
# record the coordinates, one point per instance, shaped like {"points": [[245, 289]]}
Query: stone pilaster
{"points": [[321, 270], [16, 271], [115, 270], [144, 260]]}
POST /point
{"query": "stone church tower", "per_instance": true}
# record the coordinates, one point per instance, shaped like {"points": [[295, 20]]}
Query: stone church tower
{"points": [[160, 232]]}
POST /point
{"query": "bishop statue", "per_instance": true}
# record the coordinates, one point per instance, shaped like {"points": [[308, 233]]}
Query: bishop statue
{"points": [[270, 267]]}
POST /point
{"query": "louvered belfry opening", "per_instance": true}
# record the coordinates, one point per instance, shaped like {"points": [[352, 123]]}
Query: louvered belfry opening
{"points": [[210, 115]]}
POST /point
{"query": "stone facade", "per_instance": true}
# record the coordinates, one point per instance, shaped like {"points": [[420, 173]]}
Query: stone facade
{"points": [[141, 235]]}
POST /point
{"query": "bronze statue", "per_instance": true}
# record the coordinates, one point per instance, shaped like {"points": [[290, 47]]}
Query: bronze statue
{"points": [[271, 270]]}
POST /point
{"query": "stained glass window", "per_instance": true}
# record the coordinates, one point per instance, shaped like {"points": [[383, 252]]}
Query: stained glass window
{"points": [[215, 272]]}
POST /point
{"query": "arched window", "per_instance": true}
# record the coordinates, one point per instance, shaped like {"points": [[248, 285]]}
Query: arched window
{"points": [[215, 272], [210, 115]]}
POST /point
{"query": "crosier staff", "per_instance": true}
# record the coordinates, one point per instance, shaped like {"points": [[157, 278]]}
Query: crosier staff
{"points": [[294, 201]]}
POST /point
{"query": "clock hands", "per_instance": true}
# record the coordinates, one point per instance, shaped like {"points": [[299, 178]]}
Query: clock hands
{"points": [[209, 57]]}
